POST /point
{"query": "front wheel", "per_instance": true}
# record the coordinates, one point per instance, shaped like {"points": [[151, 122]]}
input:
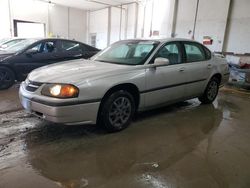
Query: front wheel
{"points": [[7, 78], [211, 91], [117, 111]]}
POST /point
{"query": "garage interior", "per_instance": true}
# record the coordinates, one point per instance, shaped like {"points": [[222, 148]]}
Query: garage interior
{"points": [[182, 145], [226, 21]]}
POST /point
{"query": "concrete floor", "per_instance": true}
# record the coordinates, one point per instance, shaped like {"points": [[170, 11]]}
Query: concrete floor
{"points": [[9, 100], [184, 145]]}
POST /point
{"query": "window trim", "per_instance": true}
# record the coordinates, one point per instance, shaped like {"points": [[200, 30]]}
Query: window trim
{"points": [[179, 46], [65, 51], [197, 44], [210, 53]]}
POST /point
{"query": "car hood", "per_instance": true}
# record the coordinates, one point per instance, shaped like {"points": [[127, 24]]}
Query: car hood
{"points": [[75, 72]]}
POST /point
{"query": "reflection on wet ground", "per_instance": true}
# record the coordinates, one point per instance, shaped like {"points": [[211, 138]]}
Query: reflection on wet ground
{"points": [[184, 145]]}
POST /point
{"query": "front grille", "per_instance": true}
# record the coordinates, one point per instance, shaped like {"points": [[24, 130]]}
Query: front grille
{"points": [[32, 86], [38, 114]]}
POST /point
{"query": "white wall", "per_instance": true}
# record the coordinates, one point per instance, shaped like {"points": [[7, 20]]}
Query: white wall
{"points": [[29, 10], [213, 22], [238, 38], [117, 18], [59, 20], [162, 17], [185, 18], [131, 16], [98, 24], [4, 19], [77, 24], [67, 22], [155, 15]]}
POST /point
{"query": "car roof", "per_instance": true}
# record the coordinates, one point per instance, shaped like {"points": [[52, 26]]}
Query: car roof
{"points": [[44, 39], [40, 39], [161, 40], [37, 40], [62, 39]]}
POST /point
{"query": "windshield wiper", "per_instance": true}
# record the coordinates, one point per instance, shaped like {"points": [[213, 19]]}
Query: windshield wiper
{"points": [[112, 62], [103, 61]]}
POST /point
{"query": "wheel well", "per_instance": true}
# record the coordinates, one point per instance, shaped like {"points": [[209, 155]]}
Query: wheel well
{"points": [[10, 69], [131, 88], [218, 76]]}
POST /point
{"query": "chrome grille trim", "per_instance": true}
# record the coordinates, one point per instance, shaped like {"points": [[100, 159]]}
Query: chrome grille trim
{"points": [[32, 86]]}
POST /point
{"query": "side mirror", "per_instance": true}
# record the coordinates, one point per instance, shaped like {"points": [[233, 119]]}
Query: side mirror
{"points": [[31, 51], [160, 61]]}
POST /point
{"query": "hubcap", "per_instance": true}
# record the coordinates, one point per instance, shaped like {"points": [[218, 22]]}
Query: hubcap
{"points": [[212, 90], [120, 111], [4, 76]]}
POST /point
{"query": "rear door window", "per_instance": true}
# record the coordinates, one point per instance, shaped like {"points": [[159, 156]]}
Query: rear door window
{"points": [[208, 53], [194, 52], [69, 46]]}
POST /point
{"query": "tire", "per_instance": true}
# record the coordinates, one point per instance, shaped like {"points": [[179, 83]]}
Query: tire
{"points": [[7, 78], [117, 111], [211, 91]]}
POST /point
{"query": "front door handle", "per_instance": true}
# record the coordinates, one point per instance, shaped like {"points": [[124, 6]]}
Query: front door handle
{"points": [[182, 69]]}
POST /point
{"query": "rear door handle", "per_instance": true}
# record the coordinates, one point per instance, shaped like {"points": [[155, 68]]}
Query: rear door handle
{"points": [[182, 69], [209, 66], [78, 55]]}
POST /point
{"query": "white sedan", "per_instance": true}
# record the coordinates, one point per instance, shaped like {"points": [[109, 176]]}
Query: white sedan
{"points": [[127, 77]]}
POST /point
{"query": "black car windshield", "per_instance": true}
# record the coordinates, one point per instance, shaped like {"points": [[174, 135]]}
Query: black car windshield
{"points": [[127, 52], [20, 45], [10, 43], [3, 40]]}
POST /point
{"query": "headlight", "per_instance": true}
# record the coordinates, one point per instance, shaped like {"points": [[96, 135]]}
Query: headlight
{"points": [[60, 90]]}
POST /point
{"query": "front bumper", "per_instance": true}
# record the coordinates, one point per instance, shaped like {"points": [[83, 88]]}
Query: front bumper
{"points": [[84, 113]]}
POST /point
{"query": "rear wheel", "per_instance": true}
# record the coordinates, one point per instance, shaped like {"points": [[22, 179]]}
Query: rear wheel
{"points": [[117, 111], [7, 78], [211, 91]]}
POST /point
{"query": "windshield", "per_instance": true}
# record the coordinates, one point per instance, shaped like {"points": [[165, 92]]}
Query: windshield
{"points": [[20, 45], [3, 40], [10, 43], [127, 52]]}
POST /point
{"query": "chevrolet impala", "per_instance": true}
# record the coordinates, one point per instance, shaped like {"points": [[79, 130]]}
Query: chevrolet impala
{"points": [[126, 77]]}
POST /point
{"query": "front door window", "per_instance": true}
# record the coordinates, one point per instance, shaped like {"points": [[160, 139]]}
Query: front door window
{"points": [[171, 52]]}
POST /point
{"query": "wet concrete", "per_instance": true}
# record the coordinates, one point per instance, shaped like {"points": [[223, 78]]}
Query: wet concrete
{"points": [[9, 100], [184, 145]]}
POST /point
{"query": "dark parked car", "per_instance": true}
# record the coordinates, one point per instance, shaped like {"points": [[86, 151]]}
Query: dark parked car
{"points": [[19, 60]]}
